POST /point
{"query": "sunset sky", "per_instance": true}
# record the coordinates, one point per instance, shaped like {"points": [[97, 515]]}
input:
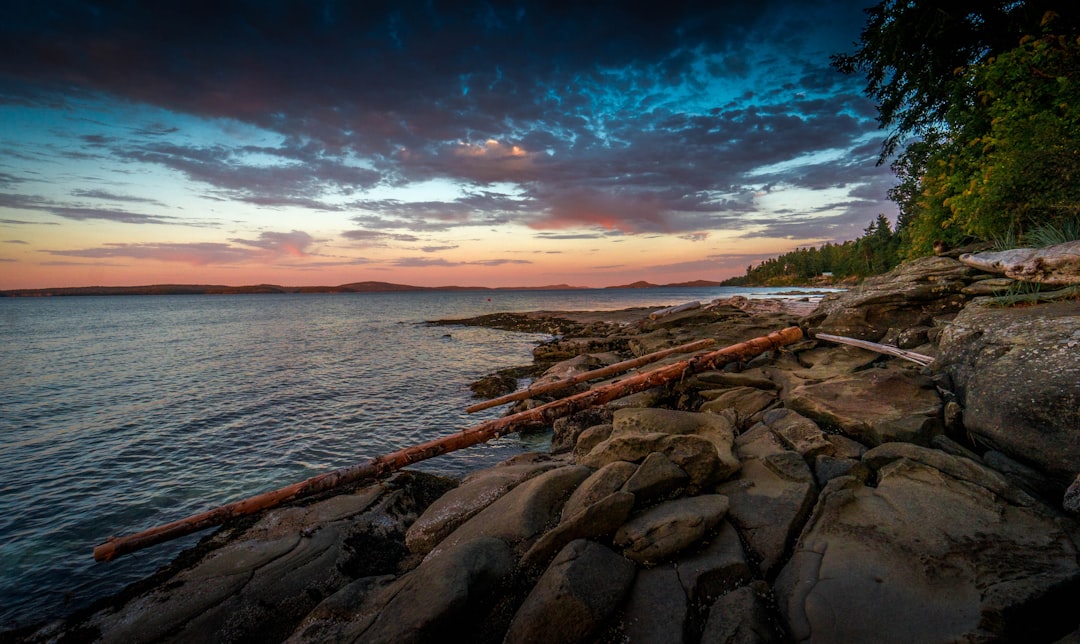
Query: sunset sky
{"points": [[426, 143]]}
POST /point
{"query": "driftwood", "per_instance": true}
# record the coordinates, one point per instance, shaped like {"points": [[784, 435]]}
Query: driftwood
{"points": [[603, 372], [917, 358], [1058, 264], [383, 465], [689, 306]]}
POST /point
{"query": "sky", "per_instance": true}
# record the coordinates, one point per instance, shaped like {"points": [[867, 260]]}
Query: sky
{"points": [[427, 143]]}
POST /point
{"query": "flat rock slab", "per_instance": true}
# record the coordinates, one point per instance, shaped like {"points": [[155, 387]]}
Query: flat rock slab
{"points": [[925, 557], [872, 406]]}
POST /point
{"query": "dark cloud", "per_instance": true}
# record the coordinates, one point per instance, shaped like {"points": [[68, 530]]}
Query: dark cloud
{"points": [[596, 116], [112, 196], [268, 247], [81, 213], [425, 262]]}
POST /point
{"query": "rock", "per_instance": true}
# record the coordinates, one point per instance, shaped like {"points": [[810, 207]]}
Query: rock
{"points": [[874, 406], [656, 610], [1016, 372], [912, 337], [1071, 502], [604, 481], [694, 454], [925, 557], [716, 428], [1019, 474], [522, 514], [590, 438], [567, 348], [665, 530], [752, 378], [716, 569], [827, 468], [599, 520], [770, 501], [844, 447], [909, 295], [567, 430], [655, 479], [439, 599], [1057, 264], [745, 401], [798, 433], [742, 617], [578, 592], [343, 616], [457, 506], [990, 286]]}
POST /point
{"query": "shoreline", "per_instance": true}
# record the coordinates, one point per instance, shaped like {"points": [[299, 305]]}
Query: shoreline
{"points": [[827, 421]]}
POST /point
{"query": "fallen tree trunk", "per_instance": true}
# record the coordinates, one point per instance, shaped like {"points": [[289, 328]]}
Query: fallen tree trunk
{"points": [[917, 358], [383, 465], [689, 306], [603, 372]]}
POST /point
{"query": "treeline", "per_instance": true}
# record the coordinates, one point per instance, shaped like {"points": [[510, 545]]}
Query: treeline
{"points": [[876, 251]]}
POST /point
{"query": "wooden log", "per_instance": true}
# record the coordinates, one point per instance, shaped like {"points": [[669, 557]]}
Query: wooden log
{"points": [[603, 372], [689, 306], [917, 358], [383, 465]]}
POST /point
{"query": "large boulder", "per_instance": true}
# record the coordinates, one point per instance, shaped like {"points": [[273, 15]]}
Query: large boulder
{"points": [[577, 593], [657, 609], [669, 528], [1016, 371], [1057, 264], [910, 295], [927, 557]]}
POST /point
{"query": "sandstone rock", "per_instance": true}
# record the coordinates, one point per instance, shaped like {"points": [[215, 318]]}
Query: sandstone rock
{"points": [[523, 513], [1016, 371], [874, 406], [457, 506], [1024, 477], [604, 481], [929, 558], [844, 447], [827, 468], [655, 479], [590, 438], [434, 601], [665, 530], [750, 378], [957, 467], [656, 610], [990, 286], [716, 569], [770, 501], [798, 433], [343, 616], [599, 520], [576, 594], [1071, 502], [909, 295], [719, 429], [567, 348], [742, 617], [745, 401], [694, 454], [1057, 264], [567, 430]]}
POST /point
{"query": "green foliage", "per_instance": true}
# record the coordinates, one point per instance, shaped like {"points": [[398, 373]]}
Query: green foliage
{"points": [[876, 251], [1051, 234]]}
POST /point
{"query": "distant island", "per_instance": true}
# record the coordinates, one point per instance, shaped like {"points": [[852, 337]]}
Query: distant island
{"points": [[355, 287]]}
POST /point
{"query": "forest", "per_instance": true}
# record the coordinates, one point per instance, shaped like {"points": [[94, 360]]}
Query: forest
{"points": [[980, 105]]}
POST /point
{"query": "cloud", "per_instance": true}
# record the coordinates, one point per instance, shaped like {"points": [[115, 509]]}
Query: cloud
{"points": [[269, 247], [427, 262]]}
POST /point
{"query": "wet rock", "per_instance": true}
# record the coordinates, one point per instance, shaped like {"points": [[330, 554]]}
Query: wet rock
{"points": [[874, 406], [1017, 374], [604, 481], [926, 557], [656, 610], [521, 515], [578, 592], [742, 617], [665, 530], [457, 506], [439, 600], [655, 479], [909, 295]]}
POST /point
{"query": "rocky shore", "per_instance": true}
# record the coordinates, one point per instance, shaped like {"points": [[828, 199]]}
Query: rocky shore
{"points": [[818, 493]]}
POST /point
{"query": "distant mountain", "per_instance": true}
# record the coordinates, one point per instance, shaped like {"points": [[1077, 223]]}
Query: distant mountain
{"points": [[354, 287]]}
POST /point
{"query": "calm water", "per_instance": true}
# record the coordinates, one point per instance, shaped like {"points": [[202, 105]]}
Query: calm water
{"points": [[121, 413]]}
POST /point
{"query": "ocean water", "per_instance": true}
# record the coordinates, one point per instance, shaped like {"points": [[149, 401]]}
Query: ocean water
{"points": [[118, 414]]}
